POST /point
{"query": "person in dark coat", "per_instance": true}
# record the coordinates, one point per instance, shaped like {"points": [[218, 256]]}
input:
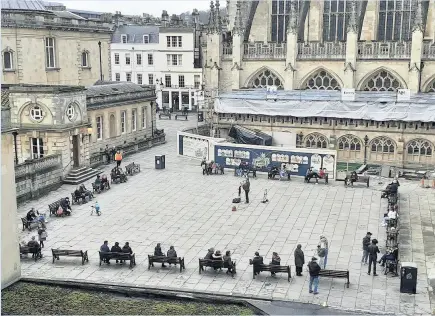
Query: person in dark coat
{"points": [[246, 187], [228, 262], [299, 260], [172, 254], [158, 252], [105, 248], [127, 248], [373, 256], [314, 270], [209, 254], [256, 262], [276, 260], [116, 248], [31, 215], [366, 244]]}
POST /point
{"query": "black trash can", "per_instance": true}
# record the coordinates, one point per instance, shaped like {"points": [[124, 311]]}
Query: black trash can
{"points": [[408, 278], [160, 162], [200, 117]]}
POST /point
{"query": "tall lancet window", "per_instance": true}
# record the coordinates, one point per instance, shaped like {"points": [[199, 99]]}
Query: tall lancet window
{"points": [[395, 19], [280, 18], [335, 19]]}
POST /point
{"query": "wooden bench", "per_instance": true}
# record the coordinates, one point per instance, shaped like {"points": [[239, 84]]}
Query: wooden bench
{"points": [[118, 256], [180, 115], [36, 252], [70, 253], [27, 224], [53, 207], [132, 168], [272, 268], [336, 274], [360, 179], [118, 178], [324, 178], [165, 114], [216, 264], [97, 189], [75, 200], [163, 259]]}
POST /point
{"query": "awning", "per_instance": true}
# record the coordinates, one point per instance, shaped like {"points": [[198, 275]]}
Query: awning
{"points": [[243, 135]]}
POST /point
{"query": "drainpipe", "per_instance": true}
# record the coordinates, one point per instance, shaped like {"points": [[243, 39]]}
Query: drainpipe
{"points": [[15, 133], [101, 64]]}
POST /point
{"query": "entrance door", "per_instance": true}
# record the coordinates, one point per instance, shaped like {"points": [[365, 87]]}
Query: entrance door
{"points": [[76, 152]]}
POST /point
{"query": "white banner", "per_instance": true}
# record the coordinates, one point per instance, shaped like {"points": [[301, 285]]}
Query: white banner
{"points": [[195, 148], [271, 92], [347, 94]]}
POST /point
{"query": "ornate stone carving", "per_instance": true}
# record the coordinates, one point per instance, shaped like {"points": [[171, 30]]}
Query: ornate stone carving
{"points": [[236, 66], [238, 21], [290, 68], [417, 24], [348, 66], [293, 22], [211, 28]]}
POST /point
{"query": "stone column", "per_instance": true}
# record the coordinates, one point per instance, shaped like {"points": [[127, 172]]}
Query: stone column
{"points": [[351, 49], [180, 101], [415, 64]]}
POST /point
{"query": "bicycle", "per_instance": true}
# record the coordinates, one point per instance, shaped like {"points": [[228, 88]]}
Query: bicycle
{"points": [[96, 210]]}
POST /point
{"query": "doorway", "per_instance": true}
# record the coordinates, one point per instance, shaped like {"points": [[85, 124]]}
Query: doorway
{"points": [[76, 151]]}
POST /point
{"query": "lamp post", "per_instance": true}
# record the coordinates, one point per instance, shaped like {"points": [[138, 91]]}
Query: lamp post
{"points": [[101, 64], [15, 133], [366, 141]]}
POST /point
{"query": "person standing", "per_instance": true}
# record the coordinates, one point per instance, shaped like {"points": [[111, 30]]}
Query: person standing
{"points": [[246, 187], [118, 158], [323, 243], [42, 234], [314, 270], [299, 260], [107, 153], [366, 244], [373, 256]]}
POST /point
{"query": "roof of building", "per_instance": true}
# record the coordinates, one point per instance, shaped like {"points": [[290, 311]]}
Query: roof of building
{"points": [[68, 15], [23, 5], [180, 29], [113, 88], [135, 33], [85, 11]]}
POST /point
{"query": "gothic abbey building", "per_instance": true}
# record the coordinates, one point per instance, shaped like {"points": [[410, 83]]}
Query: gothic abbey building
{"points": [[375, 47]]}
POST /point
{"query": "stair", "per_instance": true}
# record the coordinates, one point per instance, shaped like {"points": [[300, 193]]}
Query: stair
{"points": [[80, 175]]}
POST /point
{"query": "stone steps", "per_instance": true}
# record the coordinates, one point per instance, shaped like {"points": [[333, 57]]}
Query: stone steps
{"points": [[80, 175]]}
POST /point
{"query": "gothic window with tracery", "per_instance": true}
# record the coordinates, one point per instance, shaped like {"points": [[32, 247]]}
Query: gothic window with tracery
{"points": [[431, 87], [382, 148], [349, 147], [382, 81], [335, 19], [316, 140], [419, 151], [395, 19], [322, 80], [266, 78]]}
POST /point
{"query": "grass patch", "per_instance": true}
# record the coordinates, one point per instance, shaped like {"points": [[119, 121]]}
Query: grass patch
{"points": [[36, 299]]}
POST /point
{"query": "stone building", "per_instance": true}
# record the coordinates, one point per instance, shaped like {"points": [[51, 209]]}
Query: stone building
{"points": [[346, 46], [121, 115], [41, 46]]}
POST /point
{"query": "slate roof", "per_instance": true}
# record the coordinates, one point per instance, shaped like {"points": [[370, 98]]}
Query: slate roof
{"points": [[135, 33], [23, 5], [113, 89]]}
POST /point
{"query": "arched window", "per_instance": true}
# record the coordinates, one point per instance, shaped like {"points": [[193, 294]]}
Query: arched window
{"points": [[419, 151], [321, 80], [8, 60], [382, 149], [431, 87], [349, 147], [266, 78], [395, 19], [316, 140], [382, 81], [85, 59]]}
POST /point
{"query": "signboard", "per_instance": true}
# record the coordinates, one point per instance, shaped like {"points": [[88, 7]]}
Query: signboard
{"points": [[347, 94], [194, 147], [271, 92], [403, 95]]}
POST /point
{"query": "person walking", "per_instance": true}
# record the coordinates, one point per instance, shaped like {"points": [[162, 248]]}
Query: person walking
{"points": [[118, 158], [314, 270], [323, 243], [321, 252], [299, 259], [42, 235], [246, 186], [373, 256], [366, 244]]}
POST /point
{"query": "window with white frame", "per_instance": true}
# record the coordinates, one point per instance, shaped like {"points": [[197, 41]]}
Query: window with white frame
{"points": [[8, 60], [99, 120], [180, 41], [139, 78], [50, 52], [124, 39], [197, 81], [123, 117], [174, 59], [150, 59], [117, 76], [181, 81], [37, 148], [168, 41], [85, 59], [133, 120], [146, 39], [139, 59], [36, 113], [127, 59], [150, 79], [116, 59], [144, 117], [316, 140], [168, 81], [128, 76], [174, 41]]}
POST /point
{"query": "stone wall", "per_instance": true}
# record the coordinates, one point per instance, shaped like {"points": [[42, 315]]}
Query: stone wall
{"points": [[38, 177]]}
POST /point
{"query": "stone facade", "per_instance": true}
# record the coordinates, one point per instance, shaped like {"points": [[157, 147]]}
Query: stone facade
{"points": [[11, 270], [63, 47]]}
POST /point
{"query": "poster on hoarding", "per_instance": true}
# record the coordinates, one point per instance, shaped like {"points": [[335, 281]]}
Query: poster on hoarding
{"points": [[195, 148]]}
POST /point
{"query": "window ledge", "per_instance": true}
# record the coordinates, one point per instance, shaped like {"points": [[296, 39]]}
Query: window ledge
{"points": [[52, 69], [86, 67], [9, 70]]}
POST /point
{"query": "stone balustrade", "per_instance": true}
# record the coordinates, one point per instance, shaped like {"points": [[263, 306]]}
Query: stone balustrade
{"points": [[38, 165], [264, 51], [384, 50], [325, 50], [428, 50]]}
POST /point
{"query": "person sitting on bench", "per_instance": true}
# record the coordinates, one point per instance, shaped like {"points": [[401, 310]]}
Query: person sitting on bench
{"points": [[273, 172], [98, 184], [31, 215], [311, 174], [116, 248], [276, 261], [105, 181], [216, 256], [391, 189], [209, 254], [66, 205], [322, 173], [257, 261], [390, 255], [78, 195], [105, 248], [158, 252], [228, 261], [86, 192], [171, 253], [33, 244]]}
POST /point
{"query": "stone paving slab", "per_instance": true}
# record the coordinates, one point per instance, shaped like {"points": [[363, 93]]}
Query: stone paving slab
{"points": [[181, 207]]}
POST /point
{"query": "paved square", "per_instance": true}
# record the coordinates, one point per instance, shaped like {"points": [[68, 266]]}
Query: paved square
{"points": [[181, 207]]}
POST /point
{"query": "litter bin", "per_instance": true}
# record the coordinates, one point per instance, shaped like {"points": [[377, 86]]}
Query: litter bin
{"points": [[200, 117], [408, 278], [160, 162]]}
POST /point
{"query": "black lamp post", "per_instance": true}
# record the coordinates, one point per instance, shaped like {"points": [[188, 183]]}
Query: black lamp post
{"points": [[366, 141], [101, 63], [15, 133]]}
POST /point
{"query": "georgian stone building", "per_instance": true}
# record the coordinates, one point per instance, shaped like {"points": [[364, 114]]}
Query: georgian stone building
{"points": [[372, 46], [41, 46]]}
